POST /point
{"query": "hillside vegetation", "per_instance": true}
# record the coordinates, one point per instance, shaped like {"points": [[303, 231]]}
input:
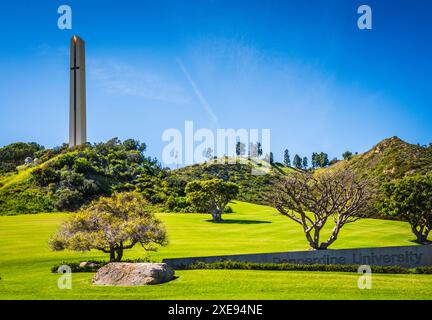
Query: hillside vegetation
{"points": [[390, 159], [71, 178], [66, 179], [252, 187]]}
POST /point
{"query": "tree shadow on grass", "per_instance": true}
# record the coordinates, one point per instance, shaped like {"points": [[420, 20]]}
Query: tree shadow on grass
{"points": [[238, 221], [427, 242]]}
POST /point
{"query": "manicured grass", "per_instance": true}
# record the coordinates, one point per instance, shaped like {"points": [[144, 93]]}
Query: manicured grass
{"points": [[25, 260]]}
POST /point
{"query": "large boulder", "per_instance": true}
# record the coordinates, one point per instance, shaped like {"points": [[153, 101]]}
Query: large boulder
{"points": [[133, 274]]}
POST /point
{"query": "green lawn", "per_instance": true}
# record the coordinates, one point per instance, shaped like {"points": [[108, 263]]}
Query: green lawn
{"points": [[25, 260]]}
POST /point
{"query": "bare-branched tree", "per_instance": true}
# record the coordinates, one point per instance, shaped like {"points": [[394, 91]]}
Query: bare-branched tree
{"points": [[311, 200]]}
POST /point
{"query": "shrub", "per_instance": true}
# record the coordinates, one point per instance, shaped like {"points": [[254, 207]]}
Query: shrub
{"points": [[25, 201], [68, 200], [229, 264], [75, 266], [45, 175], [15, 154], [228, 209]]}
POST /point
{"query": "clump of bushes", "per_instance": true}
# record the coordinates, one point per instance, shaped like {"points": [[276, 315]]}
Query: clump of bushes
{"points": [[24, 199], [84, 173], [229, 264], [14, 155]]}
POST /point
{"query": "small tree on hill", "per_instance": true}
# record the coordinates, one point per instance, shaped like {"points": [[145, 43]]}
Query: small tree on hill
{"points": [[311, 201], [111, 225], [305, 163], [287, 160], [211, 195], [323, 160], [297, 162], [240, 149], [347, 155], [260, 150], [315, 160], [410, 199]]}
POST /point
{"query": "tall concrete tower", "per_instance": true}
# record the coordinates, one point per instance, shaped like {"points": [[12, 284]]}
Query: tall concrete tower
{"points": [[77, 115]]}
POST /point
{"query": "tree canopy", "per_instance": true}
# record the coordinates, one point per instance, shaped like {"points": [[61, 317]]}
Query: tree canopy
{"points": [[410, 198], [312, 200], [86, 172], [111, 225], [211, 195], [14, 155]]}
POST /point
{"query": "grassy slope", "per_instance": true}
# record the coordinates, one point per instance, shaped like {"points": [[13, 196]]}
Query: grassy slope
{"points": [[253, 186], [390, 159], [13, 178], [25, 260], [16, 190]]}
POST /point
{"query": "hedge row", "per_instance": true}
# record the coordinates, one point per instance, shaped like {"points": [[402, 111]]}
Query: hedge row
{"points": [[75, 266], [303, 267], [228, 264]]}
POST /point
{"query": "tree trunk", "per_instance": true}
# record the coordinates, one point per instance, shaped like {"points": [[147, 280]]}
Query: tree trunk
{"points": [[333, 237], [421, 234], [217, 216], [112, 254], [116, 253], [313, 243], [119, 254]]}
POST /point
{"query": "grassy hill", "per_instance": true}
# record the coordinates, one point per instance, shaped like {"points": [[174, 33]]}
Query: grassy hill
{"points": [[26, 260], [252, 186], [390, 159]]}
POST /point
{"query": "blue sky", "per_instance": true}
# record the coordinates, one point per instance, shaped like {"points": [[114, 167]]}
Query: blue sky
{"points": [[300, 68]]}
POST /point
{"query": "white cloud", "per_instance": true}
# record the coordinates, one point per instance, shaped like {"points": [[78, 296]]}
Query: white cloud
{"points": [[118, 78]]}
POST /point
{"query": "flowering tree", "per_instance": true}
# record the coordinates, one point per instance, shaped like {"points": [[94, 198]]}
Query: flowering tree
{"points": [[111, 225]]}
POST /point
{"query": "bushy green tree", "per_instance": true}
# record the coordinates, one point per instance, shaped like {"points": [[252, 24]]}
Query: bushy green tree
{"points": [[323, 160], [67, 200], [271, 158], [347, 155], [111, 225], [14, 155], [259, 149], [212, 195], [410, 198]]}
